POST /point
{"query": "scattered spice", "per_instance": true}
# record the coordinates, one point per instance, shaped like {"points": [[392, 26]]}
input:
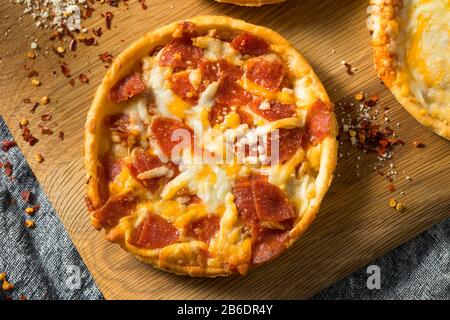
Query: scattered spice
{"points": [[108, 18], [98, 32], [418, 144], [8, 144], [7, 167], [28, 137], [26, 196], [72, 82], [35, 82], [6, 286], [29, 211], [392, 203], [400, 207], [65, 70], [45, 130], [2, 276], [83, 78], [106, 57], [61, 135], [90, 42], [44, 100], [391, 187], [29, 224], [39, 157], [73, 45], [31, 55], [60, 49], [33, 109], [33, 74], [46, 117]]}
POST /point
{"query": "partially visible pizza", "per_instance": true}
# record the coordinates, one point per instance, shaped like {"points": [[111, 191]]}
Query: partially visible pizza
{"points": [[208, 147], [251, 3]]}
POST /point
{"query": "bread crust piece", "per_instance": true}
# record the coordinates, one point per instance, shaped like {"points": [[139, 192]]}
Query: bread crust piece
{"points": [[95, 143], [251, 3], [383, 22]]}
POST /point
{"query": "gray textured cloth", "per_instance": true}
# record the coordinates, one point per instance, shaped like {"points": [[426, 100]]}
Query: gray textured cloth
{"points": [[40, 262]]}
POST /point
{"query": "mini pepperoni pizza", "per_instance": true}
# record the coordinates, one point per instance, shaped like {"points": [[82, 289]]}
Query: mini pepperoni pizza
{"points": [[208, 147]]}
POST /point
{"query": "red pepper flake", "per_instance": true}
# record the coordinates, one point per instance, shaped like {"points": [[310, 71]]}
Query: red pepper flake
{"points": [[113, 3], [36, 207], [7, 166], [27, 100], [33, 109], [108, 18], [33, 74], [83, 78], [98, 32], [88, 12], [72, 82], [61, 135], [45, 130], [28, 137], [418, 144], [90, 42], [391, 187], [73, 45], [26, 196], [106, 57], [8, 144], [58, 53], [143, 4], [46, 117], [349, 68], [65, 70]]}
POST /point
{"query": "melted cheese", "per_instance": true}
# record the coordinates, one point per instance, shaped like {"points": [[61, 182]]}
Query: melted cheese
{"points": [[422, 49], [284, 96]]}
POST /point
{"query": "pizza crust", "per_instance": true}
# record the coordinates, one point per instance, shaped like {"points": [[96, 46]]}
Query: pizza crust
{"points": [[251, 3], [95, 142], [384, 25]]}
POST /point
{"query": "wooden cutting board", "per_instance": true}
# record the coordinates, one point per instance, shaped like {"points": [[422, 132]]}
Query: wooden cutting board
{"points": [[355, 224]]}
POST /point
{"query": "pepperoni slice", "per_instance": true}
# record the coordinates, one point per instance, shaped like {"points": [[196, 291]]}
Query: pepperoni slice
{"points": [[143, 161], [212, 71], [275, 110], [180, 53], [117, 207], [126, 88], [289, 141], [318, 121], [259, 201], [163, 128], [250, 44], [183, 88], [155, 232], [230, 93], [111, 167], [203, 229], [268, 244], [267, 74]]}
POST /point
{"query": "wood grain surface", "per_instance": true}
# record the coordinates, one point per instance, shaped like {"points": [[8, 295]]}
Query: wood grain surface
{"points": [[355, 224]]}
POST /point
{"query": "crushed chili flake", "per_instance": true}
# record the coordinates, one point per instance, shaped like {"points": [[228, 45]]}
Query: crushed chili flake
{"points": [[61, 135], [391, 187], [143, 4], [90, 41], [27, 100], [8, 168], [33, 74], [106, 57], [46, 117], [83, 78], [98, 32], [108, 19], [28, 137], [8, 144], [27, 196], [418, 144], [45, 130], [73, 45], [59, 52], [72, 82], [65, 70], [33, 109]]}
